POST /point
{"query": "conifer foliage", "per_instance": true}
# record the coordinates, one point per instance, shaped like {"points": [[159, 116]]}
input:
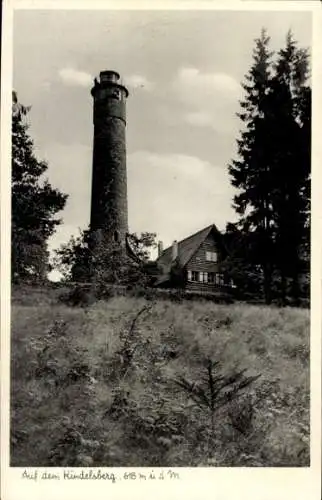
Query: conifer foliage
{"points": [[272, 170], [291, 102], [35, 203]]}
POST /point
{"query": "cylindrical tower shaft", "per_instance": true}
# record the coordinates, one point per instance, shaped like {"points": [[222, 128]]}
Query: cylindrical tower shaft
{"points": [[109, 214]]}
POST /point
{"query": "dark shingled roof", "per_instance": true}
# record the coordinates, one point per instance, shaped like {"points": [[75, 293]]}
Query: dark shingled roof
{"points": [[186, 249]]}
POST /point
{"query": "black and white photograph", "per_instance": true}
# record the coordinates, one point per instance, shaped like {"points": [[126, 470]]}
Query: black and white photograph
{"points": [[160, 239]]}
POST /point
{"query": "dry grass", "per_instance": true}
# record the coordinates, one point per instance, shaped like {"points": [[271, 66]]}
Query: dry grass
{"points": [[72, 404]]}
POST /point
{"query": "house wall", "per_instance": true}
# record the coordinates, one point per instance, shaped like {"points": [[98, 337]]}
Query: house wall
{"points": [[199, 263]]}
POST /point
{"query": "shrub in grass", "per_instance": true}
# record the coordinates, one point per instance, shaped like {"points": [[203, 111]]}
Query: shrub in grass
{"points": [[216, 389]]}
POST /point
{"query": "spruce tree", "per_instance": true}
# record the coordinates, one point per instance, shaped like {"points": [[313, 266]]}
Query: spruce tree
{"points": [[34, 203], [290, 134], [272, 172], [251, 173]]}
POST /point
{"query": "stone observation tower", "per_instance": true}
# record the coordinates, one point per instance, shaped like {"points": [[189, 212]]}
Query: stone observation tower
{"points": [[109, 214]]}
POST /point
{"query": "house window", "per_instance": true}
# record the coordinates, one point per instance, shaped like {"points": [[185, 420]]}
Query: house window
{"points": [[211, 277], [211, 256], [193, 275], [203, 277], [216, 278]]}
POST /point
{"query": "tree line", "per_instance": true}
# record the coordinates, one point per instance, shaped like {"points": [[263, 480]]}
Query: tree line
{"points": [[268, 248]]}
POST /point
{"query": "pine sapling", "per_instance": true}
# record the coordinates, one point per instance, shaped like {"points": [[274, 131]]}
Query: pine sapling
{"points": [[216, 389]]}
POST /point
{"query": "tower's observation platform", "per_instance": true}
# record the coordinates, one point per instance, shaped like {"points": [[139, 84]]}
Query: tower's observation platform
{"points": [[109, 88]]}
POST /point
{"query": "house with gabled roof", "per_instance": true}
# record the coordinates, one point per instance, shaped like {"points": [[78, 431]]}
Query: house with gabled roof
{"points": [[194, 263]]}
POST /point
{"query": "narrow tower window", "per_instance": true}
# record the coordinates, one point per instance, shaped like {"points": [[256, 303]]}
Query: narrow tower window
{"points": [[116, 94]]}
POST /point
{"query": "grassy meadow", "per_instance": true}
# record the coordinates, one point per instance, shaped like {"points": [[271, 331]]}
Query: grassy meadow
{"points": [[137, 382]]}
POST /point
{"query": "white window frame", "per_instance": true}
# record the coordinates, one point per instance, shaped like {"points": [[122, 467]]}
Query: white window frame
{"points": [[219, 279], [191, 275], [211, 256], [195, 273], [199, 276], [203, 277]]}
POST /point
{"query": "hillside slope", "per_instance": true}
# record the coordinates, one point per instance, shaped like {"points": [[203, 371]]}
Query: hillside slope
{"points": [[99, 386]]}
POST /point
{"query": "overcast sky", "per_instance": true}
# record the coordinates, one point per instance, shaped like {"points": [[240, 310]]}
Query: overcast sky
{"points": [[183, 70]]}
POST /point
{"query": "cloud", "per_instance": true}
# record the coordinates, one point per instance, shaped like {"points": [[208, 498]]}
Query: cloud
{"points": [[208, 99], [73, 77], [171, 194], [175, 195], [194, 79], [199, 118], [65, 162], [45, 85], [136, 81]]}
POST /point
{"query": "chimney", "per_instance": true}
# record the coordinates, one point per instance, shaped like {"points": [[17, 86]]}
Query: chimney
{"points": [[174, 250], [160, 248]]}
